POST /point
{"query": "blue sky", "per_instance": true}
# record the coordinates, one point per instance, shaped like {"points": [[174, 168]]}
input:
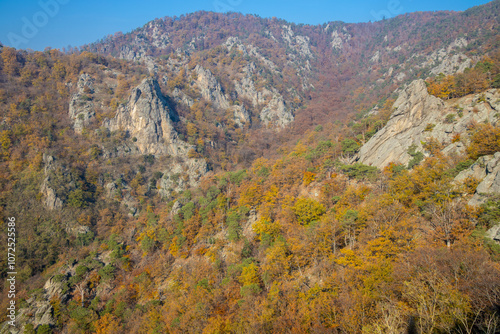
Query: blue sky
{"points": [[37, 24]]}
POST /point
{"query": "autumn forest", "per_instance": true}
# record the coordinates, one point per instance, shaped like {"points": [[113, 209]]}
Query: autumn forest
{"points": [[209, 174]]}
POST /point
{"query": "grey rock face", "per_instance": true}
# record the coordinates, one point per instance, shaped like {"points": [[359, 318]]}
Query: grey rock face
{"points": [[241, 115], [489, 168], [276, 113], [298, 43], [123, 192], [38, 310], [339, 38], [452, 64], [486, 169], [210, 88], [246, 88], [179, 96], [494, 233], [81, 106], [477, 170], [407, 123], [148, 119], [251, 50], [448, 60], [181, 175], [419, 117], [51, 201]]}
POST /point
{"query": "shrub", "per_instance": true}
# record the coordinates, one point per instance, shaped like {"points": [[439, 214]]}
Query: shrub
{"points": [[147, 244], [149, 158], [81, 270], [44, 329], [308, 210], [85, 239], [417, 157], [490, 212], [484, 141], [450, 118], [359, 171], [234, 229], [188, 210], [350, 146], [429, 127], [107, 272]]}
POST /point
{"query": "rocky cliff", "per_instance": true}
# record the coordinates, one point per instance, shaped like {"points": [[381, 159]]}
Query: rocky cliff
{"points": [[413, 110], [276, 113], [81, 106], [486, 170], [210, 88], [211, 91], [148, 120], [51, 201], [419, 117]]}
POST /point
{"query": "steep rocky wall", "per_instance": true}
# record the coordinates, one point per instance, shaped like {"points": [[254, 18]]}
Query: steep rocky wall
{"points": [[414, 109], [486, 170], [81, 106], [420, 117], [149, 121]]}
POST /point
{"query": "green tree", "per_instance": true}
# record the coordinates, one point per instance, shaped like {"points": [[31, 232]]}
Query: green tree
{"points": [[349, 146], [308, 210]]}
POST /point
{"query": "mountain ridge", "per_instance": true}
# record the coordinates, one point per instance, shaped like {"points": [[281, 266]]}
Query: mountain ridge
{"points": [[221, 176]]}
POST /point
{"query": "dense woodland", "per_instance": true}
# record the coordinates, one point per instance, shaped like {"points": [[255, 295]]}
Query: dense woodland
{"points": [[283, 234]]}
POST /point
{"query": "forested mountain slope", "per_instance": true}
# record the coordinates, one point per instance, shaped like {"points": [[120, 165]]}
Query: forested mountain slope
{"points": [[222, 173]]}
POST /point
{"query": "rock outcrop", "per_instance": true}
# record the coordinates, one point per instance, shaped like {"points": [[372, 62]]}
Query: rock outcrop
{"points": [[50, 199], [339, 38], [251, 50], [420, 117], [276, 113], [491, 182], [81, 106], [273, 109], [451, 62], [149, 121], [246, 88], [122, 191], [405, 127], [296, 42], [210, 88], [182, 175], [241, 115], [494, 233], [180, 97], [487, 170], [37, 310]]}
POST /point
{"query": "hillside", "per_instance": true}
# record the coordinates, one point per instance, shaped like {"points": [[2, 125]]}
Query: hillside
{"points": [[222, 173]]}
